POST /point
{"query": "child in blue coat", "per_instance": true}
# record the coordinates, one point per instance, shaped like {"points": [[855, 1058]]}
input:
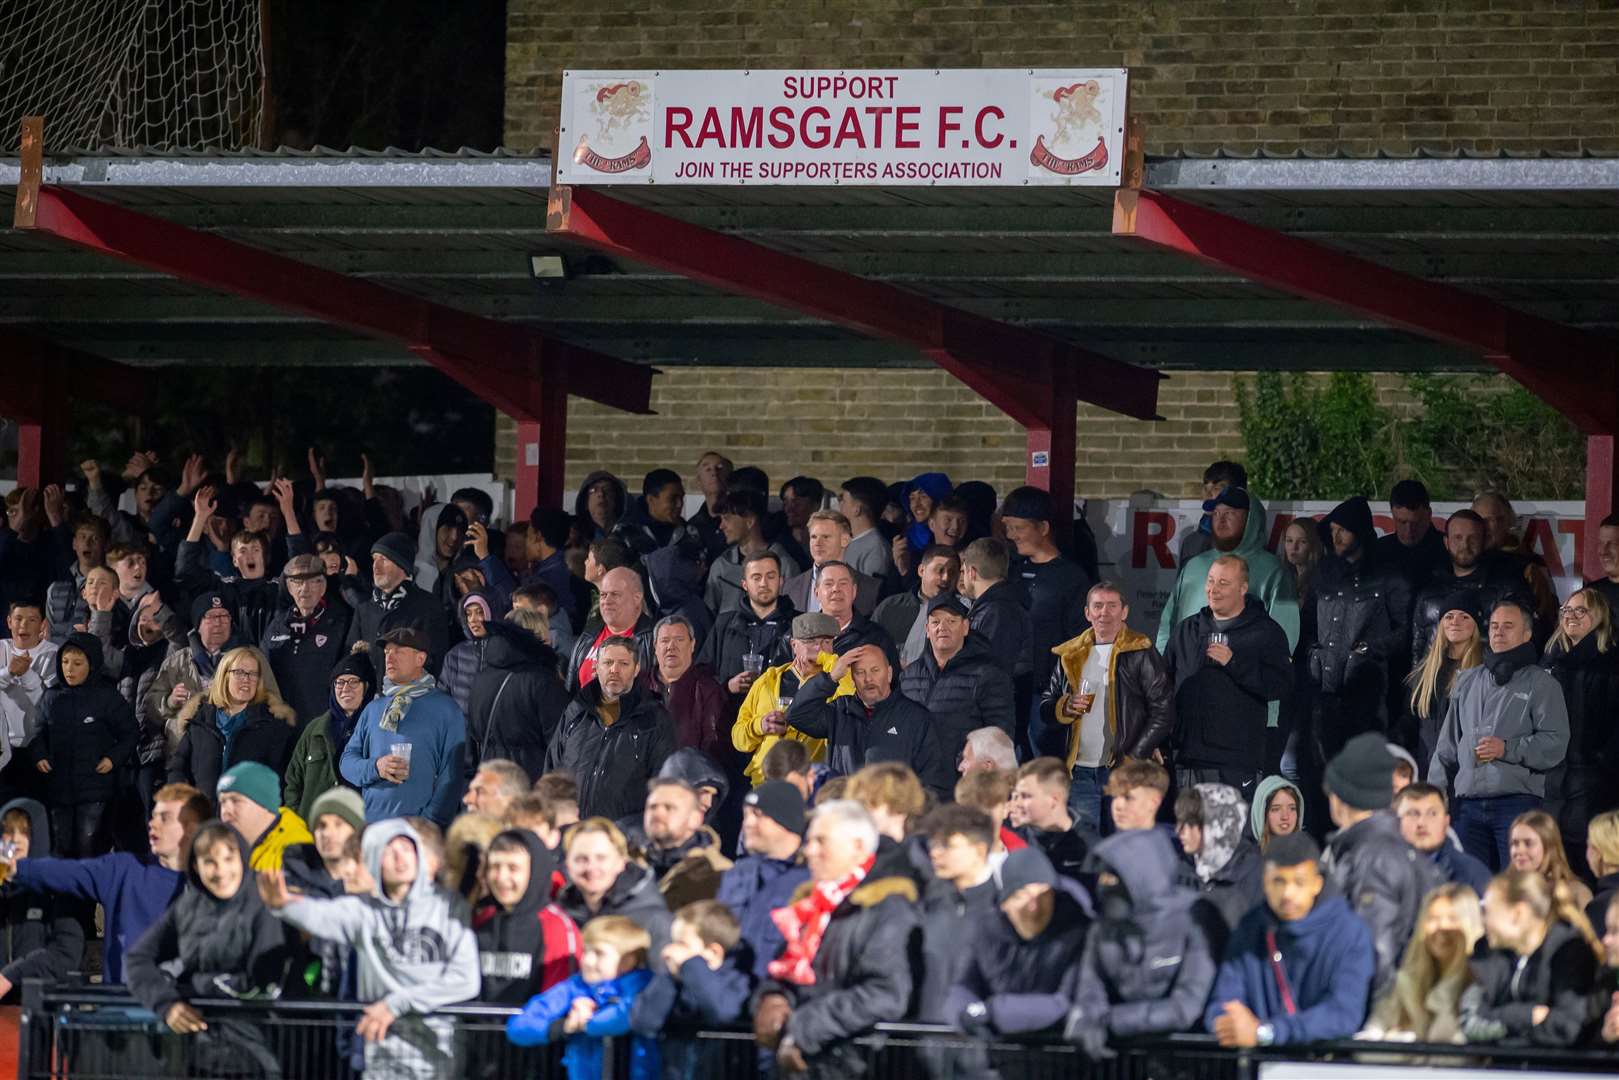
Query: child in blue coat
{"points": [[595, 1004]]}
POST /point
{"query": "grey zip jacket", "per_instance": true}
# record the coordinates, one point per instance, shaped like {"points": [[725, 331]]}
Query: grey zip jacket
{"points": [[1528, 714], [418, 955]]}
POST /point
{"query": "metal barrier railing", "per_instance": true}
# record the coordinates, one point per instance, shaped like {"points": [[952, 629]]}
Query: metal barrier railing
{"points": [[90, 1033]]}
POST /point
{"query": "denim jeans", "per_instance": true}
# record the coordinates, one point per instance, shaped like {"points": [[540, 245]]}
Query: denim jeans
{"points": [[1085, 801], [1485, 826]]}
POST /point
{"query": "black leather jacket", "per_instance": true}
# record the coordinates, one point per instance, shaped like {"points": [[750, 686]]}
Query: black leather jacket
{"points": [[1384, 879]]}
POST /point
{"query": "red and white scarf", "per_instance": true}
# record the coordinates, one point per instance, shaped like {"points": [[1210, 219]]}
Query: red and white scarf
{"points": [[803, 923]]}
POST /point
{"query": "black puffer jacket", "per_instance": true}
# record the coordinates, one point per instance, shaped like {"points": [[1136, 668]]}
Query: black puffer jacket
{"points": [[1590, 682], [1362, 611], [1494, 579], [896, 729], [41, 936], [968, 693], [302, 653], [1151, 957], [1021, 982], [1500, 1005], [863, 975], [80, 725], [267, 736], [1000, 619], [586, 641], [517, 700], [612, 764], [1384, 879]]}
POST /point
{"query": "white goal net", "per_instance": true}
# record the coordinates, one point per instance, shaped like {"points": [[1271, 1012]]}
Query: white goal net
{"points": [[159, 74]]}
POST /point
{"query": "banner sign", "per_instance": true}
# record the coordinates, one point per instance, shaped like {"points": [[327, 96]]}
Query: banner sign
{"points": [[897, 128], [1139, 542]]}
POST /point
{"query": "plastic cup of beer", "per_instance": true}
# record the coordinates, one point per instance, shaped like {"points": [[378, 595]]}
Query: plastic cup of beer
{"points": [[401, 750]]}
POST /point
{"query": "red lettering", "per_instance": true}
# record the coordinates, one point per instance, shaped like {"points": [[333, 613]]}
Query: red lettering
{"points": [[1383, 523], [781, 120], [947, 125], [710, 131], [907, 124], [1575, 527], [877, 112], [1153, 530], [747, 125], [818, 136], [849, 131], [676, 120], [978, 126], [822, 85]]}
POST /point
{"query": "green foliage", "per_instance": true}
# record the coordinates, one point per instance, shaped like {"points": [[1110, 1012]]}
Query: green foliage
{"points": [[1478, 433], [1315, 441], [1309, 438]]}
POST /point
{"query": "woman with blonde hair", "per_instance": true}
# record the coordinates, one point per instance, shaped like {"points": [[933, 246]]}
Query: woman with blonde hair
{"points": [[1602, 856], [1458, 644], [1536, 846], [1423, 1003], [242, 718], [1582, 658], [1534, 982]]}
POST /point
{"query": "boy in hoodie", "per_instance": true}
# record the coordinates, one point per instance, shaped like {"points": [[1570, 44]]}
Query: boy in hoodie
{"points": [[87, 731], [706, 982], [526, 944], [133, 890], [595, 1004], [416, 952], [1150, 960], [41, 936], [216, 940], [1318, 988]]}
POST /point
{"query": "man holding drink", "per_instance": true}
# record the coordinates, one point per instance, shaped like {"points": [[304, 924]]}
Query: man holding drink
{"points": [[762, 720], [411, 713], [1111, 689], [1227, 663]]}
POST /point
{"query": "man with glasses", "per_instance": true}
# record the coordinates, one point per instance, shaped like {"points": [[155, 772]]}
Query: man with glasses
{"points": [[306, 639], [762, 720], [185, 673]]}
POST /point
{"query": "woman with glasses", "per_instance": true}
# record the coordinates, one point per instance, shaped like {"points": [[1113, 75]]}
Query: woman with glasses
{"points": [[1582, 658], [313, 769], [242, 718]]}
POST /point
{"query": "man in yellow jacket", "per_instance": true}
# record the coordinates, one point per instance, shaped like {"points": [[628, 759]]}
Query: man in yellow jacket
{"points": [[760, 723], [250, 802]]}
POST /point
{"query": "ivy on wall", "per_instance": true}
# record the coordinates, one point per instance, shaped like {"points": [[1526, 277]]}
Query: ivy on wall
{"points": [[1313, 438]]}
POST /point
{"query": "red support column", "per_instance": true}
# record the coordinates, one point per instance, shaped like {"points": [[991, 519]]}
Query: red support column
{"points": [[1053, 452], [1601, 498], [41, 448], [542, 452]]}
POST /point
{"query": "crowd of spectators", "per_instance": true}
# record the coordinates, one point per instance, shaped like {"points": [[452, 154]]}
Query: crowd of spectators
{"points": [[887, 752]]}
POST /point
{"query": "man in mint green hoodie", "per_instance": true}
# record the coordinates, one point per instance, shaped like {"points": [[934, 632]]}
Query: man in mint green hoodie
{"points": [[1239, 522]]}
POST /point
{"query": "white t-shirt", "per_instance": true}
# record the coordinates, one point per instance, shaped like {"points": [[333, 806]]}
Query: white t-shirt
{"points": [[1093, 725]]}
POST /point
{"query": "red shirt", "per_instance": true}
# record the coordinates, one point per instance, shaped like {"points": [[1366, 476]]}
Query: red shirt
{"points": [[587, 669]]}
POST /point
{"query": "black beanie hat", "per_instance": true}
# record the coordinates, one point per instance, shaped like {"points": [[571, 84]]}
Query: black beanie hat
{"points": [[1362, 774], [399, 549], [1466, 600]]}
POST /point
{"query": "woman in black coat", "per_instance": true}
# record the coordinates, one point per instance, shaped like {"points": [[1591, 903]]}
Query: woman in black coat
{"points": [[517, 699], [1584, 659], [86, 735], [242, 719]]}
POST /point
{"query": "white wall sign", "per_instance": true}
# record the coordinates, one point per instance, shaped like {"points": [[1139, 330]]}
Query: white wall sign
{"points": [[895, 128]]}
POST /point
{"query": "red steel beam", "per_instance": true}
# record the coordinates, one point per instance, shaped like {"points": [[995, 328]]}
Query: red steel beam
{"points": [[498, 361], [1601, 499], [1010, 366], [1555, 361], [42, 378]]}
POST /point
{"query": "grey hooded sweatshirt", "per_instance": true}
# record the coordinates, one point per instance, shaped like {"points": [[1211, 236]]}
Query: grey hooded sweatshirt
{"points": [[418, 955]]}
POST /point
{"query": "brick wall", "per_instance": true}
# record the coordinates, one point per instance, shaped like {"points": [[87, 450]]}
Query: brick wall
{"points": [[837, 423], [1278, 75]]}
